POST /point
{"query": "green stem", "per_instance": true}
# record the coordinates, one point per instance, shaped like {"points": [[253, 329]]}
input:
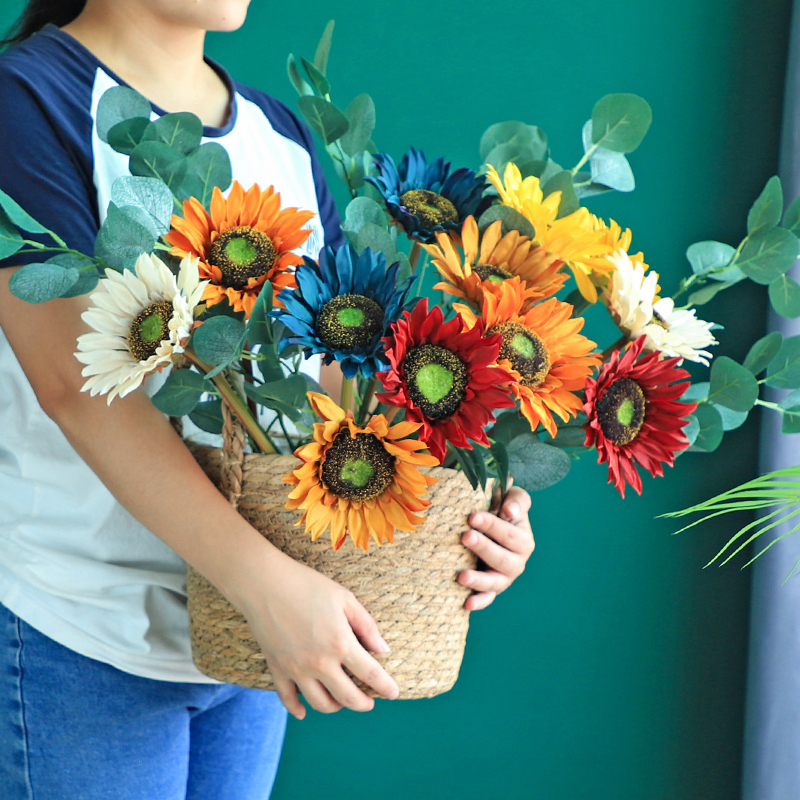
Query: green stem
{"points": [[363, 411], [413, 256], [586, 156], [618, 345], [688, 283], [767, 404], [347, 393], [291, 444], [235, 403]]}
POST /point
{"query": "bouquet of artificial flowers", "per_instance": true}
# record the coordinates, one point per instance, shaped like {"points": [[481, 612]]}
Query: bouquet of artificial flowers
{"points": [[493, 380]]}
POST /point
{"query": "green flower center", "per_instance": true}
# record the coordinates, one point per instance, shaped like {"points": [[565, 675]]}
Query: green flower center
{"points": [[621, 411], [486, 272], [526, 352], [357, 467], [349, 321], [436, 379], [430, 208], [242, 253], [149, 328]]}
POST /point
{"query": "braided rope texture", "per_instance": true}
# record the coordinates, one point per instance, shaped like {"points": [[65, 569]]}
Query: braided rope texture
{"points": [[409, 587]]}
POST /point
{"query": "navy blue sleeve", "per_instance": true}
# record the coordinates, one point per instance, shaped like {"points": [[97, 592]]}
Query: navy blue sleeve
{"points": [[44, 166], [285, 122]]}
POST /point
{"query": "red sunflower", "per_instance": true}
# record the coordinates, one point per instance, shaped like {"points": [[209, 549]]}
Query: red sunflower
{"points": [[634, 414], [442, 374]]}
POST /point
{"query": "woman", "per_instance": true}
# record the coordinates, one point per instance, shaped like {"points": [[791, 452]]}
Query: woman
{"points": [[100, 505]]}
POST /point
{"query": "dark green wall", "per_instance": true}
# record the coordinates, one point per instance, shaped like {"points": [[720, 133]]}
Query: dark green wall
{"points": [[614, 669]]}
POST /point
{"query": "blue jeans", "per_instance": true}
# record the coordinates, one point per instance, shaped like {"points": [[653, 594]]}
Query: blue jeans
{"points": [[72, 727]]}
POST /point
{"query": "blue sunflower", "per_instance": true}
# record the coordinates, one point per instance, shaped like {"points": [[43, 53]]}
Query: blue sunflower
{"points": [[343, 306], [425, 198]]}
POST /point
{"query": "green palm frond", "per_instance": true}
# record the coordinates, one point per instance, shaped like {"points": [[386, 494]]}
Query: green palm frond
{"points": [[779, 491]]}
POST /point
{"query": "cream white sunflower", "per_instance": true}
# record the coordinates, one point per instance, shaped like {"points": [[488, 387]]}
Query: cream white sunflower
{"points": [[631, 293], [140, 322], [678, 332]]}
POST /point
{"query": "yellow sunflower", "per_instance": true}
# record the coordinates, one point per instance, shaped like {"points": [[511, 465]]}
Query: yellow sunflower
{"points": [[361, 481], [572, 239], [490, 260], [543, 349], [247, 239]]}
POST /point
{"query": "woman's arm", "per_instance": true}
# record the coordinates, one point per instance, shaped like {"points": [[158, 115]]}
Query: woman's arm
{"points": [[308, 626]]}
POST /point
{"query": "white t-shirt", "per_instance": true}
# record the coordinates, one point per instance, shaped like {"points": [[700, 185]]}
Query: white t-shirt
{"points": [[73, 563]]}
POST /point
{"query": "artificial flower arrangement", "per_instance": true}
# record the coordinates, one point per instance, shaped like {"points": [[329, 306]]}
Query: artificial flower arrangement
{"points": [[195, 272]]}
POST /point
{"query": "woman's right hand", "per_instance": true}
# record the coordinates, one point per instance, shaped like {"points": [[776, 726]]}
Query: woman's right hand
{"points": [[310, 628]]}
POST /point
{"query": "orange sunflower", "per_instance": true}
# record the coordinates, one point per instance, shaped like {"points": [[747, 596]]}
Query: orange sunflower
{"points": [[247, 239], [490, 260], [543, 349], [573, 239], [361, 481]]}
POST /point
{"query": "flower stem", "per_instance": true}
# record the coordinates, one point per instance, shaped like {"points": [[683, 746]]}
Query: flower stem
{"points": [[618, 345], [363, 411], [391, 413], [235, 403], [413, 256], [347, 394]]}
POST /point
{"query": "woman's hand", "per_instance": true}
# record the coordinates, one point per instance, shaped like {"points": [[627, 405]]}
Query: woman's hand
{"points": [[310, 628], [504, 543]]}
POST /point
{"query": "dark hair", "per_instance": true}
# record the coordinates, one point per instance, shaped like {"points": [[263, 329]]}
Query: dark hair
{"points": [[39, 13]]}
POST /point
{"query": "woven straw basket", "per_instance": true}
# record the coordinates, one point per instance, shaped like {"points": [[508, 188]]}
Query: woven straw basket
{"points": [[409, 587]]}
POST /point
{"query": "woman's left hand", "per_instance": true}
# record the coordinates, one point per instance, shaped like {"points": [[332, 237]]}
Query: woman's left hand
{"points": [[504, 543]]}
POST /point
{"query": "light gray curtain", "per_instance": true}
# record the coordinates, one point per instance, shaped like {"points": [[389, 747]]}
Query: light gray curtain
{"points": [[772, 723]]}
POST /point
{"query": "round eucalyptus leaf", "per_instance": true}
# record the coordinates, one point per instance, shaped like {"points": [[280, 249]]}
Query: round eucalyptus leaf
{"points": [[762, 352], [783, 371], [620, 122], [180, 393], [511, 220], [534, 465], [768, 254], [38, 283], [117, 104], [710, 433], [732, 385], [784, 294], [766, 212], [218, 341]]}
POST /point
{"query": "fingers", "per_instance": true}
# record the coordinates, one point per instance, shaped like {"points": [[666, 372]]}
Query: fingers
{"points": [[516, 505], [478, 601], [364, 627], [287, 692], [319, 698], [368, 670], [488, 581], [514, 537], [506, 561]]}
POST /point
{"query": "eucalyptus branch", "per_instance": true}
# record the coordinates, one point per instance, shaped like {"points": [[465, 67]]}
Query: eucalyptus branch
{"points": [[703, 278], [586, 156]]}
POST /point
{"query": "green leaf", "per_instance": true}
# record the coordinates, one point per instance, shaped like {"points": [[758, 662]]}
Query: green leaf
{"points": [[324, 48], [159, 160], [766, 256], [38, 283], [767, 210], [182, 131], [127, 135], [123, 238], [302, 86], [361, 120], [762, 352], [791, 420], [180, 393], [17, 215], [318, 80], [511, 219], [148, 194], [259, 326], [562, 182], [791, 400], [290, 390], [708, 292], [784, 370], [208, 416], [377, 239], [208, 167], [515, 133], [325, 119], [732, 385], [696, 393], [705, 257], [509, 426], [477, 457], [466, 465], [535, 465], [784, 294], [87, 280], [791, 219], [607, 167], [711, 432], [500, 456], [731, 420], [10, 238], [362, 210], [620, 122], [569, 436], [117, 104], [517, 152], [218, 341], [691, 431]]}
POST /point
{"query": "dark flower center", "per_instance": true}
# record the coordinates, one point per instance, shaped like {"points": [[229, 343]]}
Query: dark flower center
{"points": [[357, 468], [526, 352], [149, 328], [349, 321], [659, 320], [432, 209], [437, 380], [242, 253], [621, 411], [487, 272]]}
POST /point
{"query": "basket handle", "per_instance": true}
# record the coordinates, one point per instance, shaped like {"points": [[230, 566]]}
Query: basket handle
{"points": [[233, 441]]}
